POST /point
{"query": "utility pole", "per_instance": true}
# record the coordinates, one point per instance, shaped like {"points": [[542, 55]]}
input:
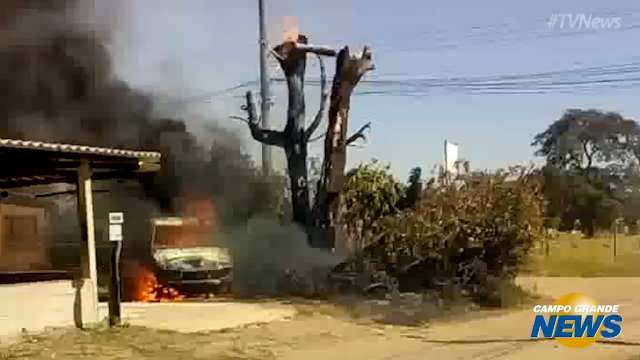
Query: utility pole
{"points": [[264, 86]]}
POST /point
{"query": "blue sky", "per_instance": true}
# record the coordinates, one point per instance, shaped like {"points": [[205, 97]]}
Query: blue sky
{"points": [[184, 49]]}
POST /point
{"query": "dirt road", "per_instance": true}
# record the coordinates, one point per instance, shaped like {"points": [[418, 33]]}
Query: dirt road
{"points": [[318, 334], [201, 316]]}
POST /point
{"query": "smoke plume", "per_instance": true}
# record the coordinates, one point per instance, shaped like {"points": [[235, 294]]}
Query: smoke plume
{"points": [[57, 81], [57, 84], [273, 259]]}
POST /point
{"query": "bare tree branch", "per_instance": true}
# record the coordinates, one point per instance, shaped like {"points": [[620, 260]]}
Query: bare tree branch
{"points": [[269, 137], [350, 67], [317, 138], [276, 55], [324, 96], [300, 47], [240, 118], [316, 49], [358, 134]]}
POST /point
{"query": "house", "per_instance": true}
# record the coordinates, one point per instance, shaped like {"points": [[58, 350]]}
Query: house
{"points": [[33, 300], [24, 232]]}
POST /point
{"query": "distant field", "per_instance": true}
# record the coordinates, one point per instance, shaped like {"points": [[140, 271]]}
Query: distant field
{"points": [[571, 255]]}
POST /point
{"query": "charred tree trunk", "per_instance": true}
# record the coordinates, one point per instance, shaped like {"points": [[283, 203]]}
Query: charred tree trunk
{"points": [[295, 137], [349, 71], [321, 223], [294, 62]]}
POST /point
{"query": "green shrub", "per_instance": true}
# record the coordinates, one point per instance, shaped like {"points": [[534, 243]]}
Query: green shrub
{"points": [[477, 227], [553, 222], [370, 194]]}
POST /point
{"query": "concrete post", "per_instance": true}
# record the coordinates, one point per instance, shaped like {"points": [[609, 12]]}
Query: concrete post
{"points": [[87, 290], [264, 86]]}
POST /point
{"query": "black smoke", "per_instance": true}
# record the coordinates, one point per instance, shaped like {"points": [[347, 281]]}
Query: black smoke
{"points": [[57, 84]]}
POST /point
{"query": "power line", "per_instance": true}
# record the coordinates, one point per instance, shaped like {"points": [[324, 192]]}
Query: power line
{"points": [[567, 81], [209, 95], [618, 76], [503, 33]]}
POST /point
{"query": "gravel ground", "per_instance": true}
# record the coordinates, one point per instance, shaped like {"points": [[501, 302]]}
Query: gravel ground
{"points": [[324, 331]]}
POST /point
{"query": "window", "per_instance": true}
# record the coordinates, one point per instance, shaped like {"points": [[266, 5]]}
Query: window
{"points": [[179, 236], [19, 228]]}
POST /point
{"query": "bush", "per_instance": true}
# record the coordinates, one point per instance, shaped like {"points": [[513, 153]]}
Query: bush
{"points": [[553, 222], [478, 227], [370, 193]]}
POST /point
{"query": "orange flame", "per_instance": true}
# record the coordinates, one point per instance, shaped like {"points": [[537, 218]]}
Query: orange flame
{"points": [[199, 208], [291, 29], [143, 284], [150, 290], [203, 231]]}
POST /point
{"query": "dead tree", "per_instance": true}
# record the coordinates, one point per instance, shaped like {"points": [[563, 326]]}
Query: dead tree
{"points": [[349, 71], [295, 137]]}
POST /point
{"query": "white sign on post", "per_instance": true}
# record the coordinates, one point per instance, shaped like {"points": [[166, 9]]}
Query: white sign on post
{"points": [[115, 232], [450, 157], [116, 219]]}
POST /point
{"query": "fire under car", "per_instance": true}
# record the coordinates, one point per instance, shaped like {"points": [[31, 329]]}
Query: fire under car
{"points": [[186, 259]]}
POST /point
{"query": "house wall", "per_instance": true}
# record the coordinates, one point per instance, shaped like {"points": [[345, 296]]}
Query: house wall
{"points": [[35, 306], [28, 253]]}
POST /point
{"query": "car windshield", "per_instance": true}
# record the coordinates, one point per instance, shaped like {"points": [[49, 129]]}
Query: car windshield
{"points": [[181, 236]]}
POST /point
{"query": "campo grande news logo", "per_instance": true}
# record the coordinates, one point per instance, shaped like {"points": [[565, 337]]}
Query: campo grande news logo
{"points": [[577, 321]]}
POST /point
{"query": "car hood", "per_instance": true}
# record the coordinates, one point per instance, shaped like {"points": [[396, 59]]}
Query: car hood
{"points": [[191, 259]]}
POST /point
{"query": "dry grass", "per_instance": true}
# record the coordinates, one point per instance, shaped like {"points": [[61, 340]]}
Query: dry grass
{"points": [[572, 255], [132, 343]]}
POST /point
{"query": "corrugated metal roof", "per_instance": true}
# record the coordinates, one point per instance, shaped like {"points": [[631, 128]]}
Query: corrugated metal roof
{"points": [[79, 149]]}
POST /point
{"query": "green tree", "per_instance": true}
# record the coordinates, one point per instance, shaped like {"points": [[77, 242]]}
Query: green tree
{"points": [[589, 166], [370, 194], [414, 188], [582, 138]]}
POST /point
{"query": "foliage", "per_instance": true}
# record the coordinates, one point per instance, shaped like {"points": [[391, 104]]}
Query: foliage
{"points": [[500, 214], [580, 138], [591, 169], [466, 232], [572, 197], [414, 188], [370, 193]]}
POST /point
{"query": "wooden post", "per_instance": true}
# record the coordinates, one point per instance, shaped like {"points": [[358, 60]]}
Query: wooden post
{"points": [[615, 239], [546, 246], [116, 219], [114, 285], [88, 292]]}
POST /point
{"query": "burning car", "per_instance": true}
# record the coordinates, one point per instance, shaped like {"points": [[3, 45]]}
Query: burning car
{"points": [[186, 259]]}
